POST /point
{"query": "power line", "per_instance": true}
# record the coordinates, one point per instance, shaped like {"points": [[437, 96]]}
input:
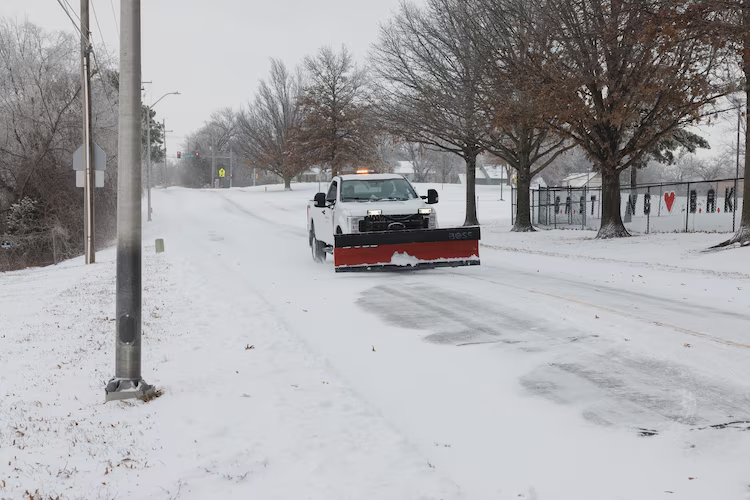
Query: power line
{"points": [[73, 11], [93, 49], [96, 59], [101, 78], [117, 24], [96, 18], [70, 17]]}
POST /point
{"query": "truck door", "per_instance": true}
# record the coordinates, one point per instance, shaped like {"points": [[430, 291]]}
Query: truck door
{"points": [[328, 219]]}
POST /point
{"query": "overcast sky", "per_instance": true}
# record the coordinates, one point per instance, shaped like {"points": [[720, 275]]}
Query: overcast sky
{"points": [[215, 52]]}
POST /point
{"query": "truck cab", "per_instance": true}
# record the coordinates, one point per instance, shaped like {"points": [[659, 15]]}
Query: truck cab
{"points": [[366, 203]]}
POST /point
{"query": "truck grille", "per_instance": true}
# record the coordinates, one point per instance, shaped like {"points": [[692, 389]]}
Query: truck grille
{"points": [[393, 222]]}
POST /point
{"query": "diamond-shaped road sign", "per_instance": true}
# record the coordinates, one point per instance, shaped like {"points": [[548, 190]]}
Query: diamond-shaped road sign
{"points": [[100, 164]]}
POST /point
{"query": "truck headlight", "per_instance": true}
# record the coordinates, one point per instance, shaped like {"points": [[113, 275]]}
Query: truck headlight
{"points": [[425, 211], [354, 223]]}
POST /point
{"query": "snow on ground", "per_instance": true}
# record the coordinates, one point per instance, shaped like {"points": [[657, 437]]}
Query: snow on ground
{"points": [[561, 368]]}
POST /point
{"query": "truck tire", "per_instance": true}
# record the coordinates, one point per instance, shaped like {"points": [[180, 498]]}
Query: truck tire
{"points": [[318, 248]]}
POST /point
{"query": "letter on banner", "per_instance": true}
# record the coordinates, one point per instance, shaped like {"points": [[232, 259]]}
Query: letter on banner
{"points": [[693, 201], [711, 201], [632, 200], [728, 202]]}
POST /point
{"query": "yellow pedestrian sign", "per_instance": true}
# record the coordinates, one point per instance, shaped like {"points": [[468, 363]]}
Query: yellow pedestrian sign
{"points": [[222, 173]]}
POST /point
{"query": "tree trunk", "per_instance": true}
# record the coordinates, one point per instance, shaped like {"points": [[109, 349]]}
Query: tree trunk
{"points": [[522, 223], [288, 183], [633, 182], [471, 191], [743, 232], [742, 236], [612, 226]]}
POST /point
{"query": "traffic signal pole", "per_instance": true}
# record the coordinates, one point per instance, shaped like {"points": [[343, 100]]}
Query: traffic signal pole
{"points": [[127, 382], [213, 162]]}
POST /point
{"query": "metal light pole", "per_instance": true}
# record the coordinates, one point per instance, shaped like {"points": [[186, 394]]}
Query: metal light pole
{"points": [[127, 382], [737, 172], [148, 160], [148, 148]]}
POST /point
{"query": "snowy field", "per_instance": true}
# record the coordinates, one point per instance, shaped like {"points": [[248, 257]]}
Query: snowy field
{"points": [[562, 368]]}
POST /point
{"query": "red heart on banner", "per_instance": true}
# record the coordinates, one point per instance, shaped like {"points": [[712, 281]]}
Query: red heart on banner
{"points": [[669, 200]]}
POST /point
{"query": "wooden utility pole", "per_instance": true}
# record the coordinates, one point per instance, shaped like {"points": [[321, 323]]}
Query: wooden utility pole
{"points": [[89, 182]]}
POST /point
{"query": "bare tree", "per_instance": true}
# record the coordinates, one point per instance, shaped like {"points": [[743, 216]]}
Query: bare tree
{"points": [[337, 129], [386, 152], [269, 128], [625, 77], [688, 167], [519, 133], [40, 130], [429, 75], [219, 133], [727, 22], [573, 161], [420, 157]]}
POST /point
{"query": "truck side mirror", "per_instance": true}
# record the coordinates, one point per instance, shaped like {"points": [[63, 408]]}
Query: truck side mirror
{"points": [[432, 196], [320, 200]]}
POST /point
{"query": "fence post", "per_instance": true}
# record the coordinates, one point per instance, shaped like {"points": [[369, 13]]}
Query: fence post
{"points": [[512, 204], [736, 188], [661, 197], [585, 208], [648, 215], [687, 208]]}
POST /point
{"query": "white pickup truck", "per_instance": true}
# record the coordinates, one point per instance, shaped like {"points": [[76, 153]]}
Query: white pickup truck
{"points": [[366, 203]]}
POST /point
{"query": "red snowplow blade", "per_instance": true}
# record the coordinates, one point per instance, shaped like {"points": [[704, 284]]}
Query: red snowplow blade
{"points": [[410, 249]]}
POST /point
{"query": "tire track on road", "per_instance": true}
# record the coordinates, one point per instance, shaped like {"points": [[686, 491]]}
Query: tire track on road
{"points": [[682, 310], [236, 207], [648, 265], [611, 385]]}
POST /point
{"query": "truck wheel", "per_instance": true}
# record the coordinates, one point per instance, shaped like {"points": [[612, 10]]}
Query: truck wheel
{"points": [[318, 248]]}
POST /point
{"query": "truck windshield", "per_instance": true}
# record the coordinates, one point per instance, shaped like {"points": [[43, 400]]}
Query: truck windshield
{"points": [[377, 190]]}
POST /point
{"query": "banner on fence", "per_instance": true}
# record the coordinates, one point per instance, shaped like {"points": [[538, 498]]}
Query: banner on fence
{"points": [[696, 206]]}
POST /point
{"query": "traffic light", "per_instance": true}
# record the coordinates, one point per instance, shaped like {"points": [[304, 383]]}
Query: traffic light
{"points": [[197, 154], [179, 154]]}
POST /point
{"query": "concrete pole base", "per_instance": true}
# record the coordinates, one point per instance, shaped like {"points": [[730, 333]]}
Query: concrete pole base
{"points": [[119, 389]]}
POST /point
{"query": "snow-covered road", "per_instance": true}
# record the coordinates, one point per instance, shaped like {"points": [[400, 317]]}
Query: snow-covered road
{"points": [[537, 375]]}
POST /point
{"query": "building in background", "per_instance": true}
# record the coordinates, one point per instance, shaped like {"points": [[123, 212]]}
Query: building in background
{"points": [[585, 179]]}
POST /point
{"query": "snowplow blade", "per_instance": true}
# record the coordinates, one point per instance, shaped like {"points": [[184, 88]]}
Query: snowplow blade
{"points": [[406, 249]]}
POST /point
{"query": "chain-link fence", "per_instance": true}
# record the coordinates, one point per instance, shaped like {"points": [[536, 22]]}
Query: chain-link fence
{"points": [[40, 248], [696, 206]]}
